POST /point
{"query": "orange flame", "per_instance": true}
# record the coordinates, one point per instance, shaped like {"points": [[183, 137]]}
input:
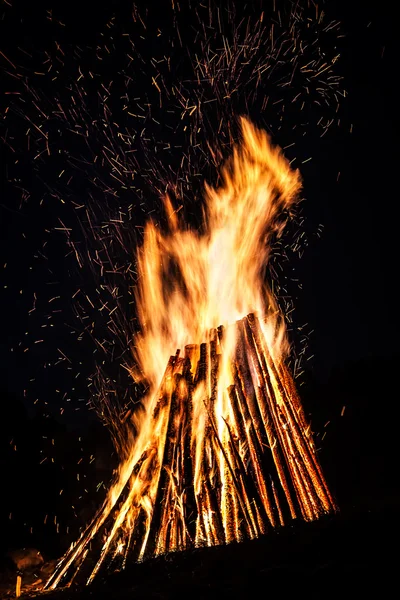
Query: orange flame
{"points": [[192, 282]]}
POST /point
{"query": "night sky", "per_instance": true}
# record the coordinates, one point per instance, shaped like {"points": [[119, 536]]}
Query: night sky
{"points": [[345, 307]]}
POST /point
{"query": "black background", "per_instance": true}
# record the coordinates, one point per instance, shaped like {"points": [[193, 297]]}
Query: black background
{"points": [[348, 298]]}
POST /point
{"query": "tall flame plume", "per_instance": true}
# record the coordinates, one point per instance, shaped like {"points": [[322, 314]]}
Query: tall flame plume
{"points": [[223, 451]]}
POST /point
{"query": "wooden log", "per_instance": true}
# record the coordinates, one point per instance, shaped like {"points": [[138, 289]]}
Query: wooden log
{"points": [[246, 384], [136, 544], [215, 512], [278, 503], [231, 505], [159, 500], [201, 537], [202, 365], [162, 392], [192, 353], [237, 415], [213, 371], [189, 501]]}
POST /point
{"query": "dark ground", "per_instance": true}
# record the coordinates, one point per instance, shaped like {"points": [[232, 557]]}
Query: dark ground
{"points": [[346, 556]]}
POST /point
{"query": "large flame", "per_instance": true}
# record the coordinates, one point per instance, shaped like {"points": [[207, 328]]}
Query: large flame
{"points": [[197, 471], [192, 282]]}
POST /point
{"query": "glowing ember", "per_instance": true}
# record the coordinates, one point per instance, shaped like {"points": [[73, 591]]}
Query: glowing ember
{"points": [[223, 450]]}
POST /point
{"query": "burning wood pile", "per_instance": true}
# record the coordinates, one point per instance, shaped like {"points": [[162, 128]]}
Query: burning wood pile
{"points": [[223, 451], [259, 472], [269, 464]]}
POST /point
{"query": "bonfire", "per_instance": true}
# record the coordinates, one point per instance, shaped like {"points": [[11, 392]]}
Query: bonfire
{"points": [[222, 451]]}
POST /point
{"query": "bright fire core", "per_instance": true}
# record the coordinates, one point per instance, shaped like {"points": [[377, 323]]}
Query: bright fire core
{"points": [[223, 451]]}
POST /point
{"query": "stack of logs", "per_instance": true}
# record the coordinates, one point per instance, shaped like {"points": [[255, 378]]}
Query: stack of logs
{"points": [[208, 477], [271, 472]]}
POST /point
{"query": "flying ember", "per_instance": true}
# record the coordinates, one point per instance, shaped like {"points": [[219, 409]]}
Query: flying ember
{"points": [[223, 451]]}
